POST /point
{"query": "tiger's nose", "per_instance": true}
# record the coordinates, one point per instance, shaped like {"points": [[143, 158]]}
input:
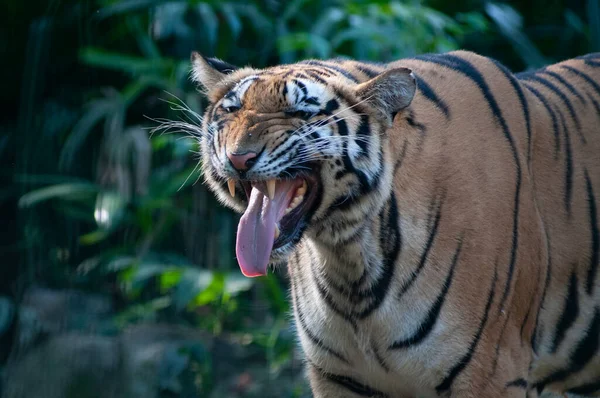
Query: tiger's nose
{"points": [[242, 161]]}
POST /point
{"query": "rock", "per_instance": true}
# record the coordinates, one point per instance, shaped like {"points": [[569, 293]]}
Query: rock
{"points": [[143, 361], [69, 365]]}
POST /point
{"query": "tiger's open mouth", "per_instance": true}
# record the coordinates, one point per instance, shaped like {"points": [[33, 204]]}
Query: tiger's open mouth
{"points": [[276, 215]]}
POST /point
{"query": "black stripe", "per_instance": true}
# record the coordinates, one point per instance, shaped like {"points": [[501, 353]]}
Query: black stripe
{"points": [[520, 383], [363, 133], [467, 69], [285, 151], [317, 341], [432, 235], [565, 83], [333, 68], [593, 64], [530, 305], [586, 389], [312, 101], [562, 96], [446, 384], [410, 119], [401, 157], [331, 106], [379, 358], [349, 166], [325, 296], [371, 73], [349, 383], [585, 350], [590, 59], [316, 77], [430, 94], [301, 86], [584, 76], [590, 56], [319, 72], [524, 105], [595, 235], [300, 75], [345, 201], [569, 314], [546, 105], [433, 314], [596, 104], [535, 338], [568, 164], [500, 338], [390, 242]]}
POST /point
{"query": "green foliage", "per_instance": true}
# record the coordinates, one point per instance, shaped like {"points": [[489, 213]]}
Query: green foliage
{"points": [[7, 313]]}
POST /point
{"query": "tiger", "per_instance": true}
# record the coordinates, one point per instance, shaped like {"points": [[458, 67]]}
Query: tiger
{"points": [[438, 216]]}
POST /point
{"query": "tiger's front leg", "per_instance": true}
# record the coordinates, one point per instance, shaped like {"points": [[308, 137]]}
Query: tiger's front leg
{"points": [[328, 385]]}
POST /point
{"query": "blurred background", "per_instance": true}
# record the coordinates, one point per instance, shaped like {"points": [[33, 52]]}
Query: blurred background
{"points": [[117, 268]]}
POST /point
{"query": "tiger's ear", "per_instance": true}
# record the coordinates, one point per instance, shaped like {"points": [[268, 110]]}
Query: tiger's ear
{"points": [[390, 91], [209, 72]]}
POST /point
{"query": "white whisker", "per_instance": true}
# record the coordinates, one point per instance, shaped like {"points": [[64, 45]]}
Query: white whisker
{"points": [[189, 175]]}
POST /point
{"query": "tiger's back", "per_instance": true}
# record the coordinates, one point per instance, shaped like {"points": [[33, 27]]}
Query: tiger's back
{"points": [[453, 252]]}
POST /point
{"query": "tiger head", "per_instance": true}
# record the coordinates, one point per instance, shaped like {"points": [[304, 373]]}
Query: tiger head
{"points": [[300, 150]]}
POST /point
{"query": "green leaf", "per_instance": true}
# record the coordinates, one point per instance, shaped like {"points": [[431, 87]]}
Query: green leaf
{"points": [[145, 271], [169, 279], [212, 293], [292, 9], [72, 191], [509, 23], [235, 283], [109, 209], [145, 42], [234, 23], [259, 22], [193, 282], [308, 43], [125, 6], [277, 296], [96, 111], [94, 237], [210, 23], [327, 22], [7, 312], [124, 63], [593, 12], [46, 179]]}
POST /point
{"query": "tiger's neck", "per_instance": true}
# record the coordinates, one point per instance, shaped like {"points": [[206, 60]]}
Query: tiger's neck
{"points": [[359, 271]]}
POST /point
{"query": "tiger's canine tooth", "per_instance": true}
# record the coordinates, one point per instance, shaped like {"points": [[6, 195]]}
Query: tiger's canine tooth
{"points": [[271, 188], [231, 186], [277, 232]]}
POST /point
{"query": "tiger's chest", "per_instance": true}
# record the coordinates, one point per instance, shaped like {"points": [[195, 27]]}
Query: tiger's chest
{"points": [[337, 337]]}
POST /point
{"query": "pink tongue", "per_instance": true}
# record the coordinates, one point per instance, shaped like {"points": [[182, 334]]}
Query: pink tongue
{"points": [[257, 227]]}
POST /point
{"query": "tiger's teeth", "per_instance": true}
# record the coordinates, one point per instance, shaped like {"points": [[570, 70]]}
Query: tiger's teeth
{"points": [[297, 200], [271, 188], [231, 185], [302, 190], [277, 232]]}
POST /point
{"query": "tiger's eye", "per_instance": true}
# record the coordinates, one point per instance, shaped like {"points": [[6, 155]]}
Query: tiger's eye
{"points": [[305, 115], [231, 108]]}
